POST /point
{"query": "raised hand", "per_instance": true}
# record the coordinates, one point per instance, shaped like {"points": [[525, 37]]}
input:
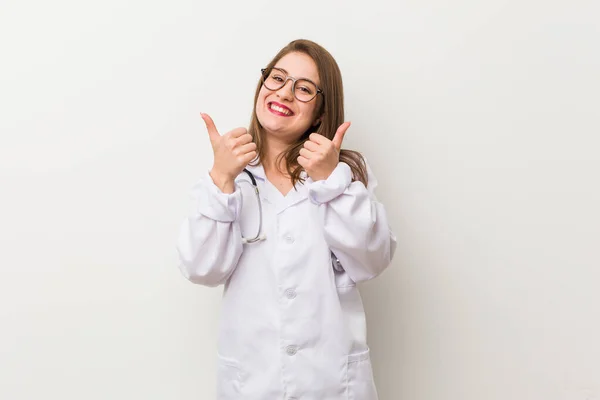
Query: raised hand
{"points": [[232, 152], [320, 156]]}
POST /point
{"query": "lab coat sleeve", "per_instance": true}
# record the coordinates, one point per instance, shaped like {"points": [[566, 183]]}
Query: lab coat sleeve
{"points": [[210, 242], [355, 224]]}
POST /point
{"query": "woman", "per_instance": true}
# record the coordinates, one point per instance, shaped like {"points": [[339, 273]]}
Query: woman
{"points": [[292, 322]]}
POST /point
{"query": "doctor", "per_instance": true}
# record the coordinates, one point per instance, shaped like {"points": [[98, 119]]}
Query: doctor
{"points": [[292, 323]]}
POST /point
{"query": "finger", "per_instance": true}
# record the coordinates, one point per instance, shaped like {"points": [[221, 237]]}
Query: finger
{"points": [[318, 138], [244, 139], [339, 135], [310, 145], [302, 161], [247, 148], [237, 132], [306, 154], [249, 157], [213, 134]]}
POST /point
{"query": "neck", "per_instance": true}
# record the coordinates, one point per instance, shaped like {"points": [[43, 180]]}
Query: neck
{"points": [[274, 148]]}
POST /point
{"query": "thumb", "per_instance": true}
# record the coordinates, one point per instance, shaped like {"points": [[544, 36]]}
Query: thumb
{"points": [[213, 134], [339, 135]]}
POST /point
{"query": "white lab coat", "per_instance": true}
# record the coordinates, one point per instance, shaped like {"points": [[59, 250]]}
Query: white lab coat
{"points": [[292, 323]]}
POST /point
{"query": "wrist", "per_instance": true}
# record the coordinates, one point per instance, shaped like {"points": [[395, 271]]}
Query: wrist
{"points": [[224, 182], [324, 175]]}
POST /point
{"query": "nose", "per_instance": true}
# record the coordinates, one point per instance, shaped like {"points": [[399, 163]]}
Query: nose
{"points": [[286, 92]]}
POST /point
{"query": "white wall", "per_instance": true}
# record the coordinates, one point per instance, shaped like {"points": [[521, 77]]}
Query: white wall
{"points": [[479, 118]]}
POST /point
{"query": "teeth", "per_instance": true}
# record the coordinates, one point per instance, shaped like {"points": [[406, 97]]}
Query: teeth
{"points": [[280, 109]]}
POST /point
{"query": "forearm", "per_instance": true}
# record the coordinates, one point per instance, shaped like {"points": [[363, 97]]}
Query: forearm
{"points": [[208, 250], [209, 243], [355, 224]]}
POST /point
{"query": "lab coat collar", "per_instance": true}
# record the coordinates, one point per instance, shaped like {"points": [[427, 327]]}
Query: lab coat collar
{"points": [[270, 194], [259, 172], [294, 196]]}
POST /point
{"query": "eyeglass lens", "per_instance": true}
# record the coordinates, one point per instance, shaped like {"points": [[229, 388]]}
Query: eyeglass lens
{"points": [[275, 79]]}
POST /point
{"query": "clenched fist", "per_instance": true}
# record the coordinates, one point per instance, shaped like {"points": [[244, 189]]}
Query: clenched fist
{"points": [[320, 156], [232, 153]]}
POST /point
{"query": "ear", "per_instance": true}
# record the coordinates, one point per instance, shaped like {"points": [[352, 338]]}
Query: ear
{"points": [[317, 120]]}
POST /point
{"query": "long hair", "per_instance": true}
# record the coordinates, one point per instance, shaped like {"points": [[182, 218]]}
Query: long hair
{"points": [[330, 106]]}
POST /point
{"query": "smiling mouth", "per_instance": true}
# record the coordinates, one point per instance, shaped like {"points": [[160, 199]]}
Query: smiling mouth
{"points": [[280, 110]]}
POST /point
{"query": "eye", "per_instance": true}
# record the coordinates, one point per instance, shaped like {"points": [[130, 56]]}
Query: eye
{"points": [[305, 89], [277, 77]]}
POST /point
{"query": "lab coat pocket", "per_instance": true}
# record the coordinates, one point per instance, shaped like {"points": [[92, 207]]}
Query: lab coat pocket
{"points": [[229, 379], [360, 377]]}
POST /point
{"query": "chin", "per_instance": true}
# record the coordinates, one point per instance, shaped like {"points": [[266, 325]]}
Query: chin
{"points": [[269, 122]]}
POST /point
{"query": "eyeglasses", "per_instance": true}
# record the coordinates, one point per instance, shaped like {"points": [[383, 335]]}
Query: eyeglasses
{"points": [[304, 89]]}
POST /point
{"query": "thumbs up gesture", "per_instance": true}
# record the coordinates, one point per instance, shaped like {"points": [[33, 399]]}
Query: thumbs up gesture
{"points": [[232, 152], [320, 156]]}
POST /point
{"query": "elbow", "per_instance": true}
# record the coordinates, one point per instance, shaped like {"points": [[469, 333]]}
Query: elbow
{"points": [[377, 260], [210, 280], [374, 269], [207, 253], [387, 255], [202, 272]]}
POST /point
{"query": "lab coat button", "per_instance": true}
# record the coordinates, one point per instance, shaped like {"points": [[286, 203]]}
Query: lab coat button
{"points": [[291, 350], [290, 293], [289, 239]]}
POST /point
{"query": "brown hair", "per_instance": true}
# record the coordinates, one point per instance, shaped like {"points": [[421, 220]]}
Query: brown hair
{"points": [[330, 107]]}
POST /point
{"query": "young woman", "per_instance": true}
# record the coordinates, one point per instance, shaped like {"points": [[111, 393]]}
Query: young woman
{"points": [[289, 223]]}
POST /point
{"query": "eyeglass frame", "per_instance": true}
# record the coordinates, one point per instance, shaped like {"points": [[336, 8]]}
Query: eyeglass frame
{"points": [[291, 78]]}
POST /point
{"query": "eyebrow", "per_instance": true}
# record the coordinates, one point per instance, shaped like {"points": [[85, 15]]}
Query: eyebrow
{"points": [[287, 73]]}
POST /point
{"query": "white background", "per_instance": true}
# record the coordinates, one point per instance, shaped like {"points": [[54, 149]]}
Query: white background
{"points": [[480, 120]]}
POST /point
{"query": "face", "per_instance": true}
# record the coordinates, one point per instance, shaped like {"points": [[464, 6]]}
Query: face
{"points": [[278, 111]]}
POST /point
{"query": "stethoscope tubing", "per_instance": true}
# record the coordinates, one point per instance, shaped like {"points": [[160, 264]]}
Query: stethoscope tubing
{"points": [[258, 237]]}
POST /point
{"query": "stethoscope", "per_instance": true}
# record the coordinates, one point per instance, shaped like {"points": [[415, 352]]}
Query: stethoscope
{"points": [[259, 236]]}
